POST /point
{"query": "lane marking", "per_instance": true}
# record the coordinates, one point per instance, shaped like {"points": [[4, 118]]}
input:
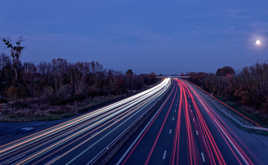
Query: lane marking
{"points": [[196, 132], [221, 127], [170, 131], [17, 143], [164, 155], [84, 151], [231, 142], [173, 118], [22, 155], [90, 120], [203, 157], [141, 134], [161, 128]]}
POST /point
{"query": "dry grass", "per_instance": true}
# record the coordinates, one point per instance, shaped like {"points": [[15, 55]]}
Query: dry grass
{"points": [[45, 112]]}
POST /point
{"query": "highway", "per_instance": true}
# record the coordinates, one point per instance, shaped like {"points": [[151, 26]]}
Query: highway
{"points": [[79, 140], [188, 127]]}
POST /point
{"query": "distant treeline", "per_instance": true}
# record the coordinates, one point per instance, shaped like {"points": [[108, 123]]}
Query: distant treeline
{"points": [[248, 87], [60, 82]]}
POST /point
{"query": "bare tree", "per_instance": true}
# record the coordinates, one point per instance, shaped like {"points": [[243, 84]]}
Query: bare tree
{"points": [[15, 53]]}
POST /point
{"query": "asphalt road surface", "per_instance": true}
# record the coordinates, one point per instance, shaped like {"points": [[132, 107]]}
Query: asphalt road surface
{"points": [[79, 140], [188, 128]]}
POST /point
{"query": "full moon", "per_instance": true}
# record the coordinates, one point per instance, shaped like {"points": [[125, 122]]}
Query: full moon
{"points": [[258, 42]]}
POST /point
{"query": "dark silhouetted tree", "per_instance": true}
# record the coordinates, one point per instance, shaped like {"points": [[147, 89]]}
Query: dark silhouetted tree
{"points": [[15, 53], [226, 71]]}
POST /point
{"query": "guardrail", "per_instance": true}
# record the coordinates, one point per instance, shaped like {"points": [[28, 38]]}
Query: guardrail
{"points": [[241, 124]]}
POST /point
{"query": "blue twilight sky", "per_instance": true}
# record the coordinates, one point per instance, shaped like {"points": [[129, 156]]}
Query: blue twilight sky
{"points": [[164, 36]]}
